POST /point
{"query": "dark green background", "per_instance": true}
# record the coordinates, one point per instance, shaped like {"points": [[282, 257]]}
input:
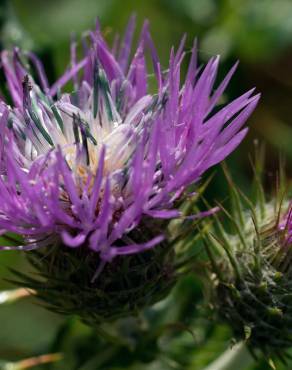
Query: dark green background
{"points": [[259, 33]]}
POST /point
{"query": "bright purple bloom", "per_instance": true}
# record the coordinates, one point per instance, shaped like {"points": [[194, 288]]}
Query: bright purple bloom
{"points": [[86, 168], [284, 225]]}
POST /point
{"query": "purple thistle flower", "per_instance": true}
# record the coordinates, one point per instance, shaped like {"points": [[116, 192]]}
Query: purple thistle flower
{"points": [[284, 227], [87, 168]]}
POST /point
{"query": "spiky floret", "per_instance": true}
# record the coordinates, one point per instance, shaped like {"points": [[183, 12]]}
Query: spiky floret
{"points": [[93, 169], [251, 270]]}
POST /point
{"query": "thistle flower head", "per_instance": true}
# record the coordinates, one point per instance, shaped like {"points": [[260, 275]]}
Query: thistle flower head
{"points": [[95, 174], [251, 276]]}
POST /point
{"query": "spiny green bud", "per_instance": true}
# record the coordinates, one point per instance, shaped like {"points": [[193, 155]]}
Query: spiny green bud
{"points": [[251, 271]]}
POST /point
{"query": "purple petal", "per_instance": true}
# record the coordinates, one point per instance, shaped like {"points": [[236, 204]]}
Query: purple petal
{"points": [[73, 241], [131, 249], [126, 44]]}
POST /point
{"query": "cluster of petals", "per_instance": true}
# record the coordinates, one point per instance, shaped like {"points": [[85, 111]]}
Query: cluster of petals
{"points": [[85, 168], [284, 226]]}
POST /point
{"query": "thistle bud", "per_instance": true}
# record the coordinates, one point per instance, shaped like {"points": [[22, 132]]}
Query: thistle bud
{"points": [[251, 271]]}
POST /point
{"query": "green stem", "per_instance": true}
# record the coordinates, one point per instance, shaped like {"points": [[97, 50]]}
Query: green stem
{"points": [[233, 358], [111, 338]]}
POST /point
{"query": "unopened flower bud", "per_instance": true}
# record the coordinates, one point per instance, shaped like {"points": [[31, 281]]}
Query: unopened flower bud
{"points": [[252, 270]]}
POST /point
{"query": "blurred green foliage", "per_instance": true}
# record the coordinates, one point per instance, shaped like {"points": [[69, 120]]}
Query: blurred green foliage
{"points": [[259, 33]]}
